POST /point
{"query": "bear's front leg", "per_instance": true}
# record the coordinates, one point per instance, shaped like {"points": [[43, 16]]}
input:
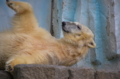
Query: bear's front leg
{"points": [[20, 59]]}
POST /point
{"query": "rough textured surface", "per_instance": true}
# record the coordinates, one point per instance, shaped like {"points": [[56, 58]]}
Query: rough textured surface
{"points": [[106, 74], [60, 72], [40, 72], [81, 73], [5, 75], [34, 71]]}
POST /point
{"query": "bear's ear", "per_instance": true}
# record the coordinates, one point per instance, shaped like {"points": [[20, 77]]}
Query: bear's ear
{"points": [[91, 44]]}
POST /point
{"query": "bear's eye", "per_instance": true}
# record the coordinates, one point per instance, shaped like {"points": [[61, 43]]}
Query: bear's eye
{"points": [[10, 3], [91, 43], [78, 34]]}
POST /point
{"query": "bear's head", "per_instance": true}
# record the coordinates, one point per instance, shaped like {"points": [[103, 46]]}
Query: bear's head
{"points": [[19, 7], [78, 34]]}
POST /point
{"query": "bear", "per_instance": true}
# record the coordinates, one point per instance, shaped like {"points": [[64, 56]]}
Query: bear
{"points": [[67, 51], [21, 46]]}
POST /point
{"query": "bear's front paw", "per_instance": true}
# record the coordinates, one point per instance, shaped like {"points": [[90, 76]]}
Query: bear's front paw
{"points": [[9, 67]]}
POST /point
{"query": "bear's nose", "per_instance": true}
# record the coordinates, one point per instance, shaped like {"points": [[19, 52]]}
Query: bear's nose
{"points": [[7, 0], [63, 23]]}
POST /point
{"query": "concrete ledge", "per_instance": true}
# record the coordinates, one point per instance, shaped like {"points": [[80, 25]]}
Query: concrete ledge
{"points": [[5, 75], [107, 74], [34, 71], [40, 72], [81, 73]]}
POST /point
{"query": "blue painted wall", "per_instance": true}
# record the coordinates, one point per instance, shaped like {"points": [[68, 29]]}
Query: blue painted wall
{"points": [[69, 8]]}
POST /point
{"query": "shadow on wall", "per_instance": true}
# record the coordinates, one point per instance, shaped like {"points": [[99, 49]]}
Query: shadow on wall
{"points": [[102, 17]]}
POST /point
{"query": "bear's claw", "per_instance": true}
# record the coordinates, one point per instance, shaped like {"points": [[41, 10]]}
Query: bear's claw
{"points": [[9, 68]]}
